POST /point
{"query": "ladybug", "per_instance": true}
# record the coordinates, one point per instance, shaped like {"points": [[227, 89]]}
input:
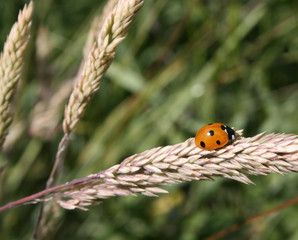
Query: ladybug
{"points": [[214, 135]]}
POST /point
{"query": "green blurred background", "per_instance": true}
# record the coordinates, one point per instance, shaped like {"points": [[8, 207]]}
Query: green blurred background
{"points": [[183, 64]]}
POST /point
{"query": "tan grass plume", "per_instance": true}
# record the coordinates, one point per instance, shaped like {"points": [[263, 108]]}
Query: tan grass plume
{"points": [[11, 62], [112, 32], [145, 172]]}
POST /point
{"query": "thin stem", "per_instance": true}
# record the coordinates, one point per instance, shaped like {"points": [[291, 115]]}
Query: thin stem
{"points": [[44, 193], [252, 219], [37, 226], [59, 158], [58, 165], [32, 197]]}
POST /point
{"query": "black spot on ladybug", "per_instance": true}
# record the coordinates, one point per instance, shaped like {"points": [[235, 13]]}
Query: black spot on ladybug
{"points": [[202, 144], [211, 133], [218, 142], [223, 127], [231, 133]]}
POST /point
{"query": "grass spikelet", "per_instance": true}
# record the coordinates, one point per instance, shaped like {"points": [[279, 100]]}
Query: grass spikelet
{"points": [[11, 62], [96, 26], [101, 55], [141, 173], [144, 172], [113, 31]]}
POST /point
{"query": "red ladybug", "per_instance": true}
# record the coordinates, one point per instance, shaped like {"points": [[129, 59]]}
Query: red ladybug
{"points": [[214, 135]]}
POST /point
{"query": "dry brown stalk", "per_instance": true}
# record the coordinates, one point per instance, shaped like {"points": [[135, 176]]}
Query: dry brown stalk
{"points": [[11, 62], [143, 173], [113, 31]]}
